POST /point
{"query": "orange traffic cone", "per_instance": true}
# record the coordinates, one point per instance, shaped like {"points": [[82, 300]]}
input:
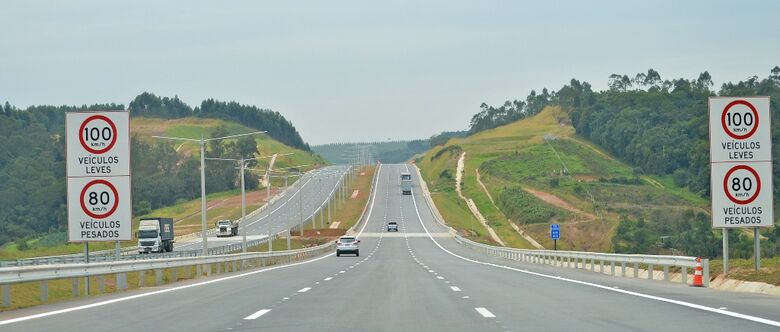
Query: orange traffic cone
{"points": [[697, 275]]}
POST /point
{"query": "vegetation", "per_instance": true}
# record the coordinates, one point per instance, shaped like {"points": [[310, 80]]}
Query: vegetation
{"points": [[32, 159], [656, 203]]}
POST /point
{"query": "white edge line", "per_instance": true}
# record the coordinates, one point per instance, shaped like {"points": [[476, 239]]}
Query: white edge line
{"points": [[637, 294], [257, 314], [132, 297]]}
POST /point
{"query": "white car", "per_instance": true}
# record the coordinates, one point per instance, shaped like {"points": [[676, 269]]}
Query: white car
{"points": [[347, 245]]}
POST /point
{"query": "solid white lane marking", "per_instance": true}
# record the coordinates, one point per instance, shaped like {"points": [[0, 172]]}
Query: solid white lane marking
{"points": [[257, 314], [342, 271], [162, 291], [485, 313], [584, 283], [465, 296], [304, 290], [455, 288]]}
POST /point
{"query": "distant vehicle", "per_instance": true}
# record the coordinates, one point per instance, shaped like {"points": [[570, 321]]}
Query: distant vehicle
{"points": [[155, 235], [347, 245], [227, 228], [392, 226], [406, 183]]}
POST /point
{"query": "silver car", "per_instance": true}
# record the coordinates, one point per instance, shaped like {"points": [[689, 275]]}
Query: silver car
{"points": [[347, 245]]}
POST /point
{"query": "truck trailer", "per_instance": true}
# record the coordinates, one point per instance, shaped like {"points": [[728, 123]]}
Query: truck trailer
{"points": [[155, 235]]}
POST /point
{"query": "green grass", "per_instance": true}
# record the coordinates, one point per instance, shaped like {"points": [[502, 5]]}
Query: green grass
{"points": [[743, 269], [531, 154]]}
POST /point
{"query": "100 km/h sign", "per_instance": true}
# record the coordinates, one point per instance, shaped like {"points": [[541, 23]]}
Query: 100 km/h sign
{"points": [[739, 129], [98, 144], [99, 201]]}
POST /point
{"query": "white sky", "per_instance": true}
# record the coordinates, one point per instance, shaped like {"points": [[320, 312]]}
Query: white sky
{"points": [[367, 70]]}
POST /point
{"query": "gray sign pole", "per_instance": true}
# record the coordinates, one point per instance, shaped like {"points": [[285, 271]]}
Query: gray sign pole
{"points": [[725, 251], [86, 260], [757, 243]]}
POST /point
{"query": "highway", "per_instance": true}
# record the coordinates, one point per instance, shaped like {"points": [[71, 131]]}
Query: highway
{"points": [[418, 279], [316, 186]]}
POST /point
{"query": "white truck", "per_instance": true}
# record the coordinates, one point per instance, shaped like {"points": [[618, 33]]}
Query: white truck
{"points": [[406, 183], [227, 228], [155, 235]]}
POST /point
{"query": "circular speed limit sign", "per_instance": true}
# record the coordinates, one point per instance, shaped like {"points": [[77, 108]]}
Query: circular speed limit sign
{"points": [[97, 134], [742, 184], [99, 199], [739, 119]]}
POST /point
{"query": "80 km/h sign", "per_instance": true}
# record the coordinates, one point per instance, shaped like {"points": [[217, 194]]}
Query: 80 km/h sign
{"points": [[100, 212]]}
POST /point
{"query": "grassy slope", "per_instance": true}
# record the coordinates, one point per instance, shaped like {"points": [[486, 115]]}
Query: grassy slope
{"points": [[189, 211], [518, 155]]}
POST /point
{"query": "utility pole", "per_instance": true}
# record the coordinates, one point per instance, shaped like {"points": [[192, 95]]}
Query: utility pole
{"points": [[202, 143]]}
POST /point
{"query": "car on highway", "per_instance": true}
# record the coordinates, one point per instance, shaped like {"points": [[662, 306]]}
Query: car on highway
{"points": [[347, 245], [392, 226]]}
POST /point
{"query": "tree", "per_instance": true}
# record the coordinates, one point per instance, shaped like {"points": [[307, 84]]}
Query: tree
{"points": [[775, 75], [704, 81]]}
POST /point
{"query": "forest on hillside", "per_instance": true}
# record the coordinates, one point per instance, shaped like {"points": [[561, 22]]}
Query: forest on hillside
{"points": [[32, 160], [386, 152], [660, 127]]}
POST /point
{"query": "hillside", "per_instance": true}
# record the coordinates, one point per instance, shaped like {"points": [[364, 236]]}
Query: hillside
{"points": [[193, 127], [536, 171]]}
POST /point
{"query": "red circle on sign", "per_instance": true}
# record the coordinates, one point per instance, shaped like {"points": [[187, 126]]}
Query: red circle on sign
{"points": [[113, 137], [110, 211], [726, 110], [726, 184]]}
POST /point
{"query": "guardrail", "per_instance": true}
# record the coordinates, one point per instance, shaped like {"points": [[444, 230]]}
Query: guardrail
{"points": [[580, 259], [130, 253], [201, 264]]}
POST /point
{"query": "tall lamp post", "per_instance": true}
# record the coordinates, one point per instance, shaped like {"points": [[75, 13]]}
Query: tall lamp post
{"points": [[202, 141]]}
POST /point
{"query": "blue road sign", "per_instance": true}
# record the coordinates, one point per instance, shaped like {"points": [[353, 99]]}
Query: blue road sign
{"points": [[555, 232]]}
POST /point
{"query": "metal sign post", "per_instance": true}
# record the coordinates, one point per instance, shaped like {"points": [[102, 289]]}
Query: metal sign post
{"points": [[555, 234], [741, 167]]}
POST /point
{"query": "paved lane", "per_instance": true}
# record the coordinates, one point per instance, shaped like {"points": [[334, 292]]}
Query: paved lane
{"points": [[413, 281]]}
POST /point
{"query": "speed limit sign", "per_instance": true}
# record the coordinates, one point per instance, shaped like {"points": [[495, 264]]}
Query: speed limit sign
{"points": [[98, 143], [739, 129], [98, 157], [102, 210]]}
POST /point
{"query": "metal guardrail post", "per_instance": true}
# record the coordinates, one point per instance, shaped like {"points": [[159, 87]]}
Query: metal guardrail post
{"points": [[74, 287], [666, 273], [650, 270], [684, 275], [706, 267], [44, 291], [6, 295]]}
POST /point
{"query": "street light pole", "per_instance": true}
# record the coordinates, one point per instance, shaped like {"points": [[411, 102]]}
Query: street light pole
{"points": [[243, 207], [202, 141], [203, 195]]}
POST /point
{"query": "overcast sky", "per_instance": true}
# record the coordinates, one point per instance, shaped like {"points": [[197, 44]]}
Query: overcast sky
{"points": [[368, 70]]}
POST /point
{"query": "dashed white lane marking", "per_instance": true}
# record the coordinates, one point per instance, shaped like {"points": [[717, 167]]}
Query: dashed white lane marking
{"points": [[328, 279], [342, 271], [485, 313], [439, 277], [465, 296], [304, 290], [455, 288], [257, 314]]}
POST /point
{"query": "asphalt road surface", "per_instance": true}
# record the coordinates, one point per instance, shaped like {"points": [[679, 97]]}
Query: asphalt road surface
{"points": [[418, 279]]}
